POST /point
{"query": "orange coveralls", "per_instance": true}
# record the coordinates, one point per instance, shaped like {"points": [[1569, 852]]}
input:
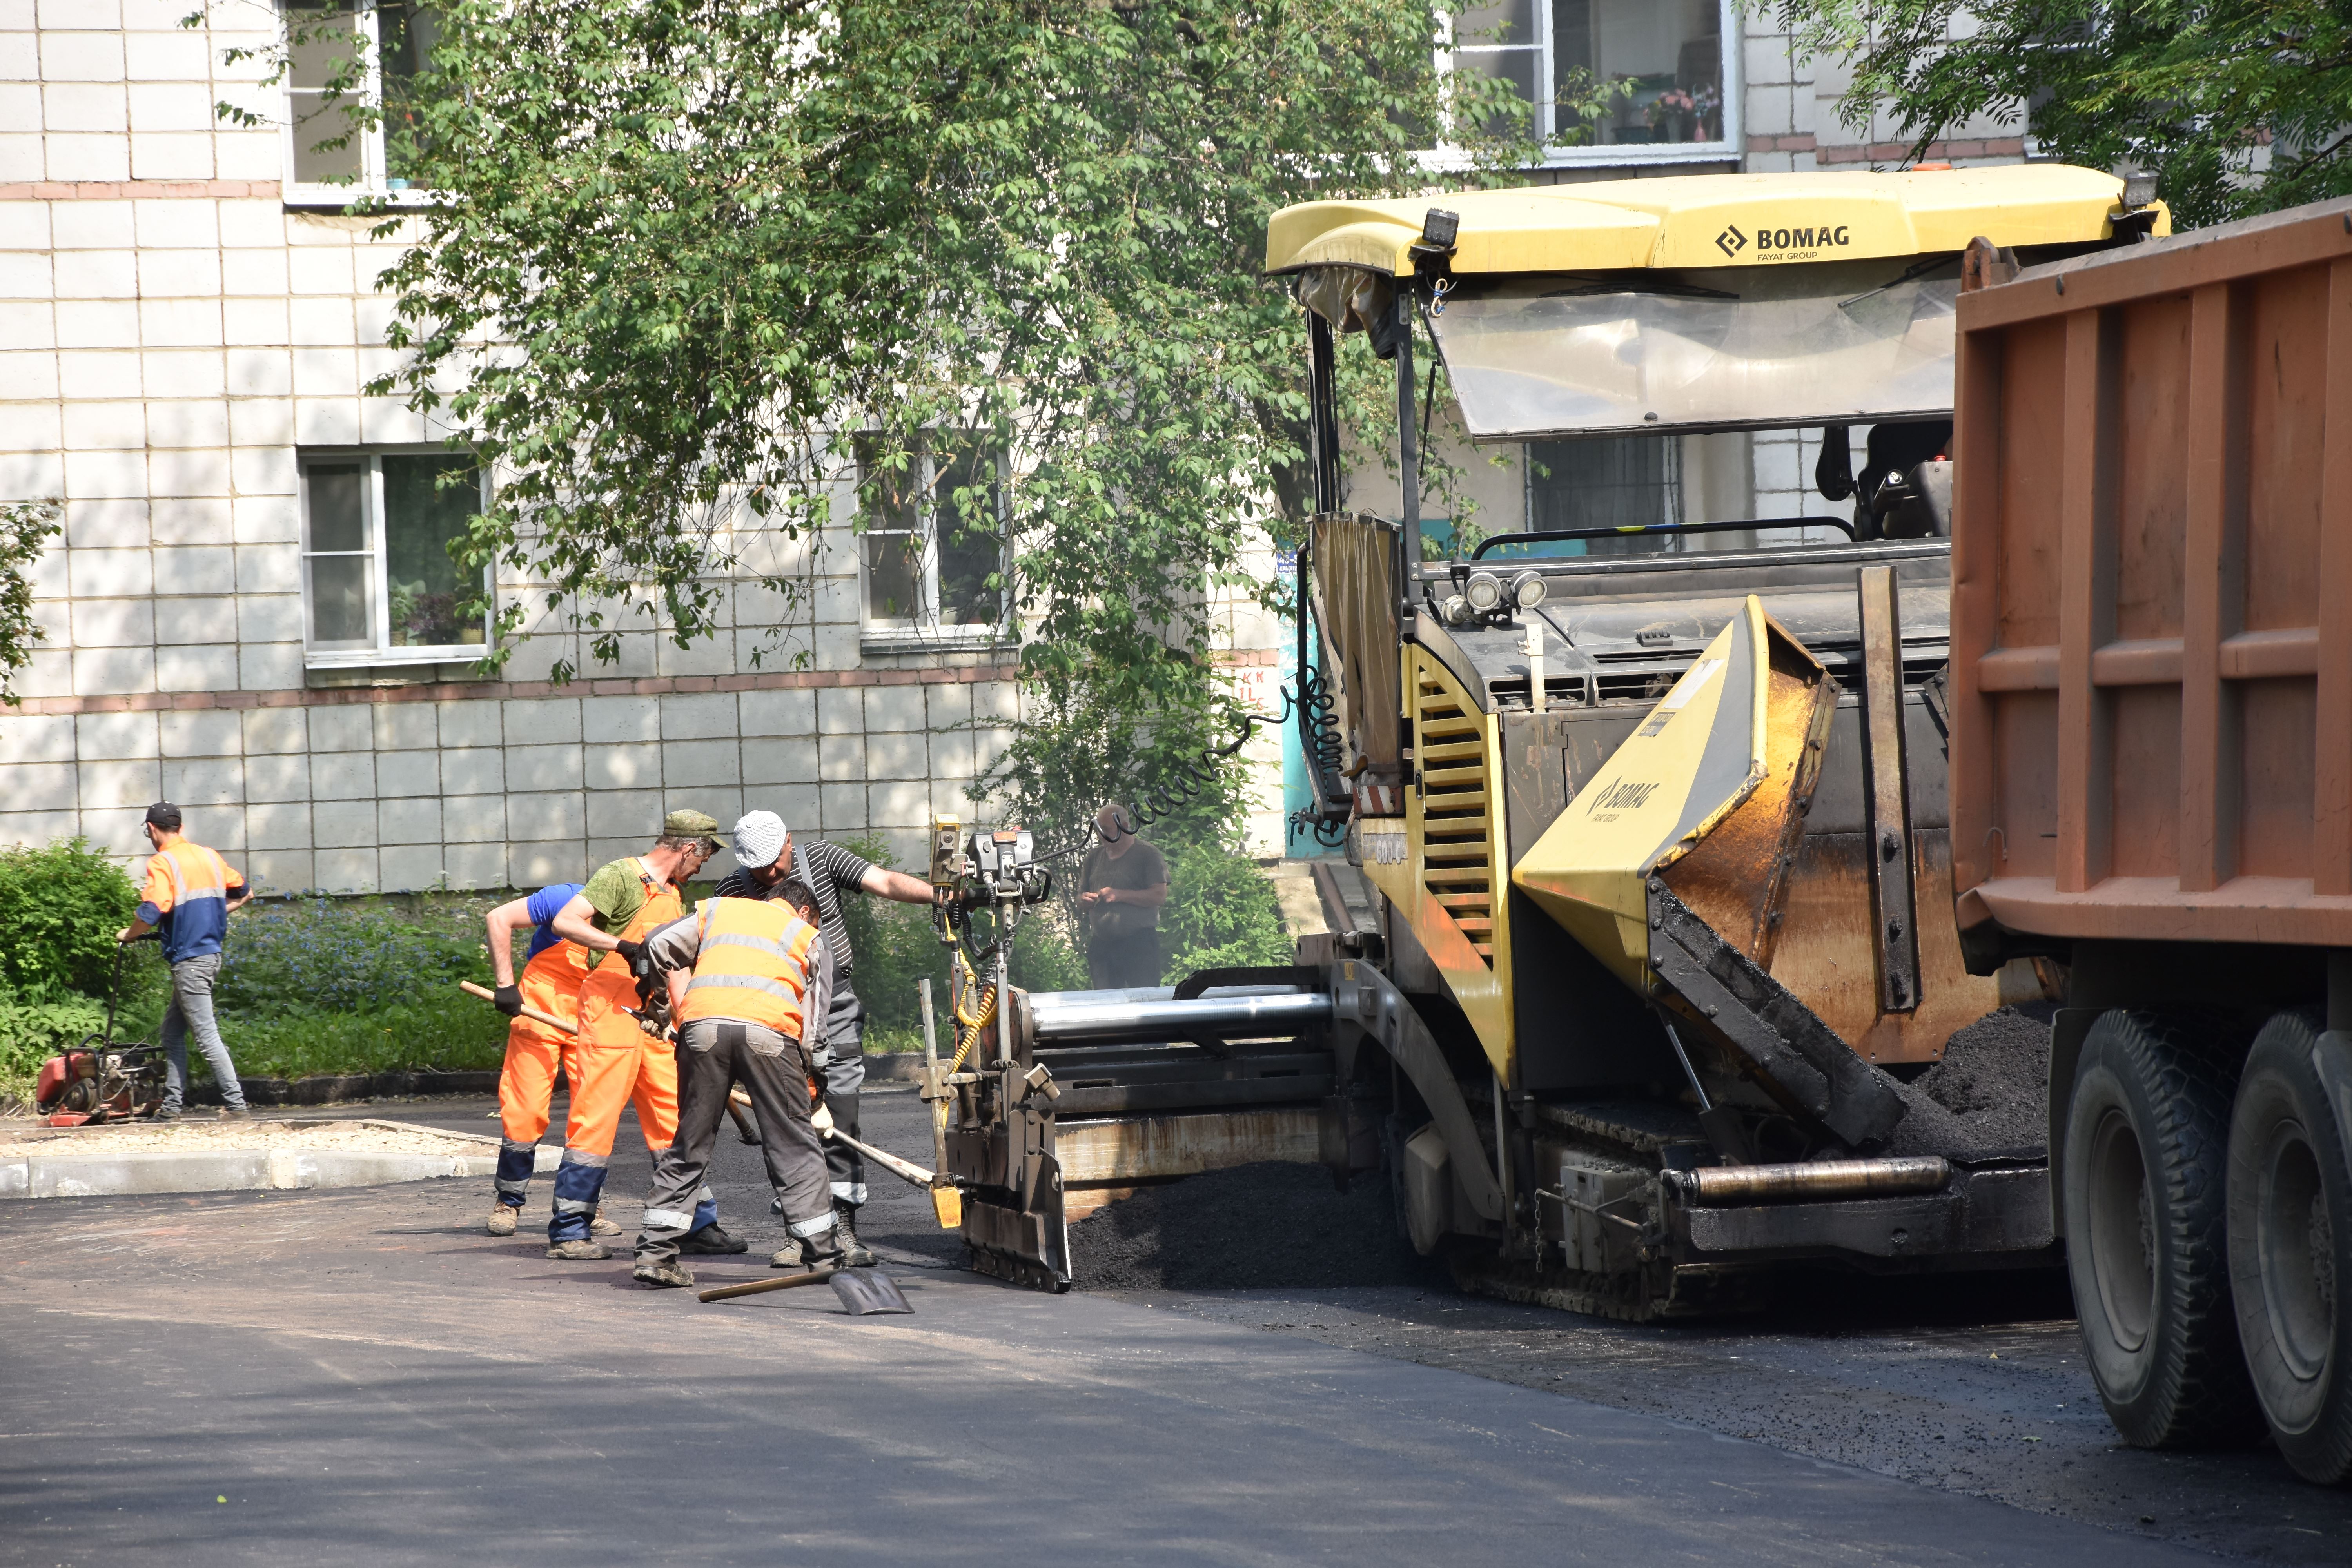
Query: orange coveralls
{"points": [[551, 983], [618, 1062]]}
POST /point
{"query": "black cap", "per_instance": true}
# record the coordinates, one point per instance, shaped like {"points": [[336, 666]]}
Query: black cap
{"points": [[165, 816]]}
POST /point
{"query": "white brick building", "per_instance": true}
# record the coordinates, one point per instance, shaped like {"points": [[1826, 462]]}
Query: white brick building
{"points": [[244, 613]]}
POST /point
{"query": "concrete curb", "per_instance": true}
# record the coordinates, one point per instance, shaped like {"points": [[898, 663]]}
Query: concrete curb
{"points": [[80, 1169]]}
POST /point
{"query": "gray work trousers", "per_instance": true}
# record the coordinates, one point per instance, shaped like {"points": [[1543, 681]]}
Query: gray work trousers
{"points": [[713, 1054], [191, 1007], [844, 1075]]}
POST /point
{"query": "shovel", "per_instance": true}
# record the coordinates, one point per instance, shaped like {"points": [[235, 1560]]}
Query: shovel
{"points": [[862, 1291]]}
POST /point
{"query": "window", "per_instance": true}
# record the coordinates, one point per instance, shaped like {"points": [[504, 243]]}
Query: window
{"points": [[378, 578], [341, 55], [933, 539], [1608, 76], [1606, 481]]}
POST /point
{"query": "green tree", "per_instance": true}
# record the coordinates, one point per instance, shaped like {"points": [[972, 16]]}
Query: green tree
{"points": [[680, 252], [2238, 106], [25, 530]]}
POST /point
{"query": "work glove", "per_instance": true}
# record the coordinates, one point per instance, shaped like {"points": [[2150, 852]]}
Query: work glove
{"points": [[507, 999], [633, 954]]}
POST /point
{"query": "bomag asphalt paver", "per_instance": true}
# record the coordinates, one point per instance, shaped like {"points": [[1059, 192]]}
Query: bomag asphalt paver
{"points": [[1646, 925]]}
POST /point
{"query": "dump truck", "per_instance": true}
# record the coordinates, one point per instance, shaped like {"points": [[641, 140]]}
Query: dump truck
{"points": [[1646, 932], [2151, 788]]}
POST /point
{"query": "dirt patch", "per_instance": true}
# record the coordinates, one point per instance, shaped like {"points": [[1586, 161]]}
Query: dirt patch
{"points": [[1251, 1227], [1988, 1097], [218, 1137]]}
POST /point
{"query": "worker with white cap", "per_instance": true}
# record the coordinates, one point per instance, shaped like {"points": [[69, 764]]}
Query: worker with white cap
{"points": [[747, 987]]}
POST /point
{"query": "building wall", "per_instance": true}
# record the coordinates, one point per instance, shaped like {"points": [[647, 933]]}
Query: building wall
{"points": [[173, 332]]}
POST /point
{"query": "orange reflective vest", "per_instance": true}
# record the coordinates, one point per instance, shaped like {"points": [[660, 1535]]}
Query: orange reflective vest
{"points": [[751, 964], [610, 989]]}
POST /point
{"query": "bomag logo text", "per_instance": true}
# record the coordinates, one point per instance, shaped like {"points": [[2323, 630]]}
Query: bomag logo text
{"points": [[1625, 795], [1771, 240]]}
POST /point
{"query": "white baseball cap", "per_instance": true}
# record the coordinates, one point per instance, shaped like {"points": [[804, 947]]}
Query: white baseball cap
{"points": [[760, 838]]}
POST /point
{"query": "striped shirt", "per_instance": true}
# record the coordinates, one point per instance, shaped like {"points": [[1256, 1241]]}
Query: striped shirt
{"points": [[827, 869]]}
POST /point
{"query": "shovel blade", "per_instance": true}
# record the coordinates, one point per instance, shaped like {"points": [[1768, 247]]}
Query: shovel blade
{"points": [[863, 1291]]}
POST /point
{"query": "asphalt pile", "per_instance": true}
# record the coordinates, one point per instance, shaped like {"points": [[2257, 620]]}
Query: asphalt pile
{"points": [[1988, 1098], [1265, 1226]]}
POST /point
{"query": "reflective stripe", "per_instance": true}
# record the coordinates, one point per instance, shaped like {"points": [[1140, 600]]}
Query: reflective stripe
{"points": [[573, 1205], [808, 1228], [851, 1192], [582, 1157], [744, 983], [511, 1147], [670, 1219], [743, 939]]}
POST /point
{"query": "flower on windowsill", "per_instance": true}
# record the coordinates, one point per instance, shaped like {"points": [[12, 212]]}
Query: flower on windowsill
{"points": [[1671, 106]]}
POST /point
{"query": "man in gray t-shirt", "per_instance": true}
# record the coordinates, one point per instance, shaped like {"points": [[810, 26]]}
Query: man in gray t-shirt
{"points": [[1122, 885]]}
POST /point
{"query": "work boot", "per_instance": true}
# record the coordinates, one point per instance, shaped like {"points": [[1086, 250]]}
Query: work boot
{"points": [[237, 1113], [810, 1252], [712, 1242], [855, 1254], [502, 1219], [172, 1113], [579, 1252], [667, 1273], [599, 1225]]}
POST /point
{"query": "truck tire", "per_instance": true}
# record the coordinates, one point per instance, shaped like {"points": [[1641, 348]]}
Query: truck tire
{"points": [[2291, 1247], [2145, 1188]]}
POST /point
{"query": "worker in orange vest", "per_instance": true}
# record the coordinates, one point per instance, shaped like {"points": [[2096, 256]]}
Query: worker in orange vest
{"points": [[552, 974], [747, 985], [188, 894], [624, 1048]]}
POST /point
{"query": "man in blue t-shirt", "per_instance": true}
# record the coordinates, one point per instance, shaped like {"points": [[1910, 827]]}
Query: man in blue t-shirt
{"points": [[550, 984]]}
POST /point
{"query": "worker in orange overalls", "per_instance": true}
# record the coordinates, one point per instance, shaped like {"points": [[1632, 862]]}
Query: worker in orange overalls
{"points": [[552, 972], [619, 1059]]}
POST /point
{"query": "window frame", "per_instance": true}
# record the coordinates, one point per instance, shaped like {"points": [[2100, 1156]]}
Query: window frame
{"points": [[922, 631], [374, 181], [1732, 148], [383, 652]]}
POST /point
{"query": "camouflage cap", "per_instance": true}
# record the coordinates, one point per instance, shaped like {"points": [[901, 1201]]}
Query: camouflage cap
{"points": [[690, 825]]}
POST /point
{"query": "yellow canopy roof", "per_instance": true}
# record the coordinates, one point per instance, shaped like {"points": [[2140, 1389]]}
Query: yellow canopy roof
{"points": [[1712, 220]]}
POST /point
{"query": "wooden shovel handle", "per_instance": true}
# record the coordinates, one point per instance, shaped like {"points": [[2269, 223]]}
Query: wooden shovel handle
{"points": [[762, 1287], [534, 1013]]}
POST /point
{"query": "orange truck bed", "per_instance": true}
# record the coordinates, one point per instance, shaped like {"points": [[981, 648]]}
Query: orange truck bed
{"points": [[2151, 678]]}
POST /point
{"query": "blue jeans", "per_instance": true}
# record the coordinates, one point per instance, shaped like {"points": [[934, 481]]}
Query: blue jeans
{"points": [[192, 1008]]}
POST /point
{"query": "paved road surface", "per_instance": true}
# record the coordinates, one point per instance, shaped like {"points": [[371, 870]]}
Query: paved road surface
{"points": [[363, 1380]]}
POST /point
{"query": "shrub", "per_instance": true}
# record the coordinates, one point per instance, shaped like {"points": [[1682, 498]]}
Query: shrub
{"points": [[446, 1031], [33, 1031], [287, 957], [59, 907], [1221, 913]]}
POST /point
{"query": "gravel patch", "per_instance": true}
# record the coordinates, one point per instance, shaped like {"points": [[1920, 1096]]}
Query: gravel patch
{"points": [[219, 1137], [1988, 1098]]}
